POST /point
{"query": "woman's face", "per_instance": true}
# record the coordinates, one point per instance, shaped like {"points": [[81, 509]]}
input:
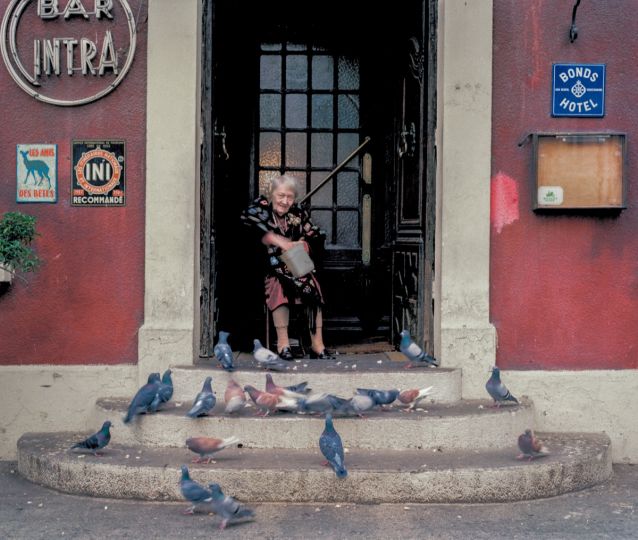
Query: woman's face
{"points": [[282, 199]]}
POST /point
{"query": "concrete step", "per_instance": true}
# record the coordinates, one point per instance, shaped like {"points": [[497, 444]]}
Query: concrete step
{"points": [[375, 476], [340, 376], [463, 425]]}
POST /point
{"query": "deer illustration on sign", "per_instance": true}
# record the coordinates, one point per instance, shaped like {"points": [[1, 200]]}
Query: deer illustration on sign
{"points": [[35, 166]]}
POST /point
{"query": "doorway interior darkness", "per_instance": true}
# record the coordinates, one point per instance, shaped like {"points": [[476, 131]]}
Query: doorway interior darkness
{"points": [[294, 88]]}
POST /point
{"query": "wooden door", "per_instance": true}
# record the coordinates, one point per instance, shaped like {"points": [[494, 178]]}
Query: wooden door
{"points": [[413, 190]]}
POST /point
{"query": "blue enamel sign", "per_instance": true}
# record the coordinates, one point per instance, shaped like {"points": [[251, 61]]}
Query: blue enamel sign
{"points": [[578, 90]]}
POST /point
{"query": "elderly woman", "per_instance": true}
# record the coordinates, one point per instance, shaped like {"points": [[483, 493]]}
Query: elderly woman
{"points": [[281, 224]]}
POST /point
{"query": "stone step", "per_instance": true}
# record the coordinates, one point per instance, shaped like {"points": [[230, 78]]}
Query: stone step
{"points": [[340, 376], [374, 476], [463, 425]]}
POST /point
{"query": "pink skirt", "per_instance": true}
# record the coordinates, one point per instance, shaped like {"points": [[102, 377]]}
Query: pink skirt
{"points": [[275, 296]]}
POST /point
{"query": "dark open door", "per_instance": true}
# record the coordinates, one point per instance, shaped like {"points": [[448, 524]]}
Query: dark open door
{"points": [[296, 89], [412, 192]]}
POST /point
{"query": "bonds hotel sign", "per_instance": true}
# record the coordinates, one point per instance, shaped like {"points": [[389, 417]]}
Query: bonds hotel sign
{"points": [[68, 52], [578, 90]]}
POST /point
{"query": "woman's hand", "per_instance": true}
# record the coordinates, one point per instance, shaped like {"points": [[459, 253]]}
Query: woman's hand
{"points": [[273, 239]]}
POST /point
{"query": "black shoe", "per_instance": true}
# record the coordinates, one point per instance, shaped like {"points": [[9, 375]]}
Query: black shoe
{"points": [[323, 355], [286, 354]]}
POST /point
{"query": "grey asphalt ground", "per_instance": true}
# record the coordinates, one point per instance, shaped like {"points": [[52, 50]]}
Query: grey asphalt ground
{"points": [[28, 511]]}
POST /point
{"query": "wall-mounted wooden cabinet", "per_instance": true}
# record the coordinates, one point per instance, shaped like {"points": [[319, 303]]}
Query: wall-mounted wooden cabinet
{"points": [[579, 171]]}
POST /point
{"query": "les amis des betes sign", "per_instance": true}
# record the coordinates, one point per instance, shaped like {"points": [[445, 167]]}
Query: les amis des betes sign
{"points": [[68, 52]]}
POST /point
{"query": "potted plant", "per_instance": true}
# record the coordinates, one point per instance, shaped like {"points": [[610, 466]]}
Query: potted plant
{"points": [[17, 231]]}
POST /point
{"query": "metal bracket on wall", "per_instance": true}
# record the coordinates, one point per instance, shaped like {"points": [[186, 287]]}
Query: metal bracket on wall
{"points": [[573, 29]]}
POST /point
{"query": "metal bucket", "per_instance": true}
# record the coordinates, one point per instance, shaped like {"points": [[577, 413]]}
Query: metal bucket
{"points": [[297, 261]]}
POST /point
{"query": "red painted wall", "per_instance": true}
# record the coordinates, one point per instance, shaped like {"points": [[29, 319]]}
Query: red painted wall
{"points": [[564, 289], [85, 305]]}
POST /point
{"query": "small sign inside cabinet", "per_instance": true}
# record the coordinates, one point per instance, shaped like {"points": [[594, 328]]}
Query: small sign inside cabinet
{"points": [[579, 171]]}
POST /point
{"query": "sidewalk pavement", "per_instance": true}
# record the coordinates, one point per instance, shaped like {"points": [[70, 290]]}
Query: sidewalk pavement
{"points": [[28, 511]]}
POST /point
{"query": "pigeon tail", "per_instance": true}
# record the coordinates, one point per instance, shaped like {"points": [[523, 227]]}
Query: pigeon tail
{"points": [[230, 441], [510, 397], [301, 388]]}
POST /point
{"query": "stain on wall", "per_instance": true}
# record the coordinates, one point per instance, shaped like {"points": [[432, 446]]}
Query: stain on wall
{"points": [[503, 201]]}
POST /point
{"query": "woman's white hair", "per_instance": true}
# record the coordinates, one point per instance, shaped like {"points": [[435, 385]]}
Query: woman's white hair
{"points": [[285, 181]]}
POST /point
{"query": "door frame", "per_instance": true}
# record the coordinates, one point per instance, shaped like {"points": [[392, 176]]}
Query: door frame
{"points": [[427, 69]]}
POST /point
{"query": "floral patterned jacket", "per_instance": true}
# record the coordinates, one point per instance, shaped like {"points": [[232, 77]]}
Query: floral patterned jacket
{"points": [[259, 216]]}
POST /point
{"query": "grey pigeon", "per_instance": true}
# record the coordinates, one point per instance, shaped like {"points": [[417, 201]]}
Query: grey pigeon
{"points": [[357, 404], [332, 448], [301, 388], [164, 392], [497, 389], [530, 447], [414, 353], [380, 397], [193, 492], [320, 403], [226, 507], [204, 401], [144, 398], [267, 359], [97, 441], [223, 352]]}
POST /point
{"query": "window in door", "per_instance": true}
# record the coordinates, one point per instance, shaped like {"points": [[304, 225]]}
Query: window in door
{"points": [[309, 121]]}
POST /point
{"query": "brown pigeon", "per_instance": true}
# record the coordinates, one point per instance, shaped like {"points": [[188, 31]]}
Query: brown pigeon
{"points": [[411, 398], [530, 446], [234, 397], [264, 401], [207, 446], [273, 388]]}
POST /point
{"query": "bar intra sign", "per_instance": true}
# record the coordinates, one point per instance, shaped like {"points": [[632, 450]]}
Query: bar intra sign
{"points": [[80, 40]]}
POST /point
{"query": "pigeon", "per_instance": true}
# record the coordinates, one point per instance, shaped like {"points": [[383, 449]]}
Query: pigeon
{"points": [[267, 359], [301, 388], [223, 352], [97, 441], [497, 389], [226, 507], [414, 353], [272, 388], [207, 446], [144, 398], [289, 404], [164, 392], [320, 403], [530, 446], [357, 404], [380, 397], [332, 448], [193, 492], [234, 397], [411, 398], [204, 401], [264, 401]]}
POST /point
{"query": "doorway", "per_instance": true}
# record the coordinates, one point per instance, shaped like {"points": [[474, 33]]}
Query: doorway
{"points": [[296, 92]]}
